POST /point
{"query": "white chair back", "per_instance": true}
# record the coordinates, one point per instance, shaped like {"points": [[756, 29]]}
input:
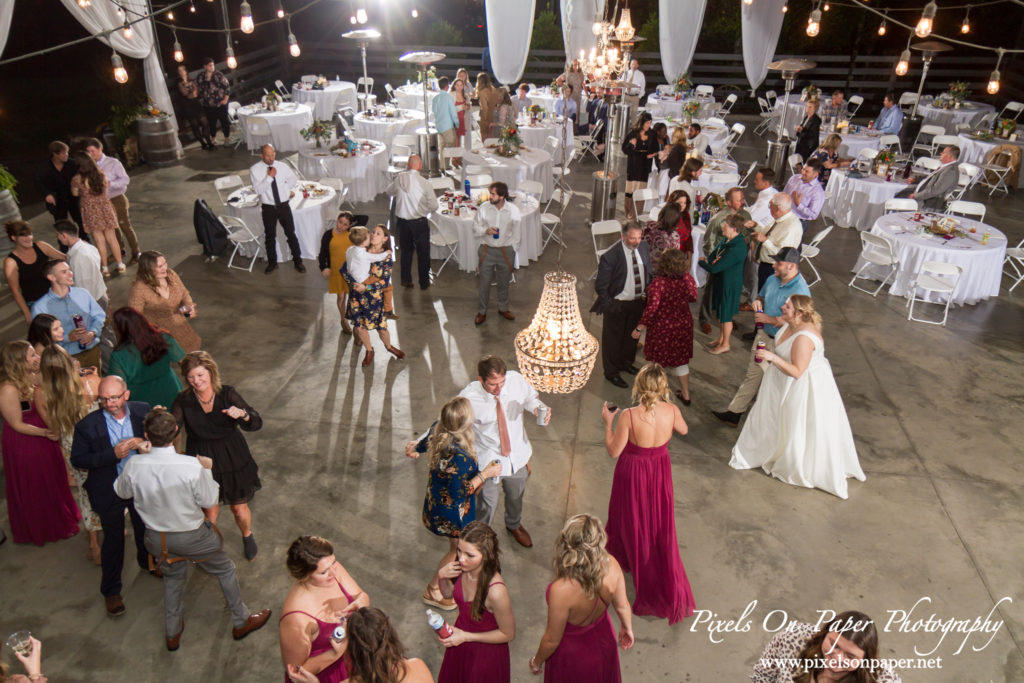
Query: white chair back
{"points": [[308, 78], [225, 184], [868, 153], [890, 141], [941, 141], [705, 90], [817, 239], [367, 81], [764, 106], [1011, 107], [715, 121], [795, 161], [532, 187], [900, 204], [730, 179], [927, 163], [483, 180], [406, 140], [258, 126], [442, 183], [854, 104], [975, 210], [772, 97], [599, 228], [968, 174], [750, 174], [907, 100], [877, 245]]}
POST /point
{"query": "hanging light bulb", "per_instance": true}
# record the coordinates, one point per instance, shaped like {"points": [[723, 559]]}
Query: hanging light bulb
{"points": [[814, 23], [179, 56], [84, 3], [230, 54], [127, 30], [924, 26], [192, 7], [827, 7], [352, 19], [965, 27], [881, 28], [415, 12], [280, 10], [625, 31], [785, 8], [361, 15], [993, 79], [293, 44], [170, 15], [748, 2], [247, 24], [120, 73], [903, 65]]}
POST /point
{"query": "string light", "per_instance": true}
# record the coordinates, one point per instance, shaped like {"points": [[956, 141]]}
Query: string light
{"points": [[280, 10], [827, 7], [748, 2], [415, 13], [993, 79], [293, 44], [352, 19], [230, 54], [170, 15], [127, 30], [361, 15], [192, 7], [247, 24], [965, 27], [179, 56], [120, 73], [814, 23], [84, 3], [881, 27], [785, 8], [924, 26], [903, 65]]}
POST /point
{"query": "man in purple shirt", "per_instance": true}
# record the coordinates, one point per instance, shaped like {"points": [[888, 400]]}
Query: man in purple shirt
{"points": [[118, 179], [806, 192]]}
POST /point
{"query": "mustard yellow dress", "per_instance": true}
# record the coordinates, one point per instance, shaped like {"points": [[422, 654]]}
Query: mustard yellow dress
{"points": [[339, 245]]}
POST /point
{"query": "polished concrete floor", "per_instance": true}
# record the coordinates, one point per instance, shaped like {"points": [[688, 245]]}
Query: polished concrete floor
{"points": [[936, 528]]}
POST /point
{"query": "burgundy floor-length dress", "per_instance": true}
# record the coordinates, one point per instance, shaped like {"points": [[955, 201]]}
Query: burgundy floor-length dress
{"points": [[587, 653], [39, 501], [642, 532], [475, 662]]}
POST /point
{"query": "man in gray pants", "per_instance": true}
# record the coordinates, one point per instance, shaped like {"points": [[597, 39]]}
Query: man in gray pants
{"points": [[497, 228], [170, 492]]}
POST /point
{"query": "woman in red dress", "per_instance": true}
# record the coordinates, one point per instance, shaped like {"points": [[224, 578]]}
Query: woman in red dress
{"points": [[685, 225], [477, 650], [579, 643], [668, 320], [641, 511], [661, 235]]}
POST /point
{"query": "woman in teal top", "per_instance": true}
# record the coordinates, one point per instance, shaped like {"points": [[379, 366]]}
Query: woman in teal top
{"points": [[725, 264], [143, 358]]}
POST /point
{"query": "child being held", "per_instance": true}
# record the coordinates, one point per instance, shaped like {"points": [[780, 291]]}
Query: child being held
{"points": [[358, 261]]}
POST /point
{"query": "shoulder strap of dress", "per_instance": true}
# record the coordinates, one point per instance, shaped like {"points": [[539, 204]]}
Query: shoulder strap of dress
{"points": [[349, 597], [296, 611]]}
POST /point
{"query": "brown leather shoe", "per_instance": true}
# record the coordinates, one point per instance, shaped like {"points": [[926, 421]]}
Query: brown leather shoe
{"points": [[480, 318], [368, 358], [254, 622], [507, 315], [522, 536], [175, 640], [115, 605], [746, 307], [706, 328]]}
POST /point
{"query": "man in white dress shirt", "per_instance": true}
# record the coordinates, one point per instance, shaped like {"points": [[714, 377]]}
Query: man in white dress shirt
{"points": [[637, 85], [84, 260], [760, 214], [170, 492], [274, 183], [497, 229], [697, 143], [118, 179], [500, 397], [785, 231], [521, 102], [414, 199]]}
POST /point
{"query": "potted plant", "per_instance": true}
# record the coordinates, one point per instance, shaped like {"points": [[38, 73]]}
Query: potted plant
{"points": [[8, 197], [320, 131]]}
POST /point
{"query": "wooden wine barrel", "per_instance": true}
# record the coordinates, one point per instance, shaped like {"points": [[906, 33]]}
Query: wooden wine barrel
{"points": [[8, 208], [158, 141]]}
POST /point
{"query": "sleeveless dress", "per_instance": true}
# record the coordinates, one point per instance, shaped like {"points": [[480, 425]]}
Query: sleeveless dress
{"points": [[475, 662], [31, 280], [642, 531], [586, 653], [336, 672], [90, 519], [336, 284], [797, 430], [39, 502], [98, 213]]}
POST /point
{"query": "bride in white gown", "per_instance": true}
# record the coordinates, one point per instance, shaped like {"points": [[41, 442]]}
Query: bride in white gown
{"points": [[797, 430]]}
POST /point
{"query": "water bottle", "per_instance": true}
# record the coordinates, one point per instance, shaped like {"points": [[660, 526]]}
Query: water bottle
{"points": [[469, 192], [440, 626]]}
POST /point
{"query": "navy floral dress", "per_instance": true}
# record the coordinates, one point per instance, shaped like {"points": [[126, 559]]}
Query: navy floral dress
{"points": [[366, 309], [449, 504]]}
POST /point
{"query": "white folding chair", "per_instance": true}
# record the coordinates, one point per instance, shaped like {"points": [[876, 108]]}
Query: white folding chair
{"points": [[772, 97], [975, 210], [853, 105], [587, 144], [897, 204], [257, 128], [735, 133], [482, 180], [240, 235], [750, 174], [1015, 260], [598, 229], [399, 158], [768, 117], [340, 190], [447, 238], [236, 123], [907, 101], [292, 165], [642, 196], [866, 157], [225, 184], [925, 140], [365, 100], [890, 141], [811, 249], [942, 141], [705, 90], [449, 153], [442, 183], [927, 164], [715, 121], [726, 108], [876, 252], [282, 90], [1011, 107], [795, 161], [965, 181], [391, 93], [994, 175], [548, 221], [307, 79], [730, 179], [940, 278]]}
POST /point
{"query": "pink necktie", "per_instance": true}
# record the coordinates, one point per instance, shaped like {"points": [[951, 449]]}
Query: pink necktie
{"points": [[506, 443]]}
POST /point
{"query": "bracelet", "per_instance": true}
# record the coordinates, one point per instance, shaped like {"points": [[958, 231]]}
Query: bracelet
{"points": [[36, 677]]}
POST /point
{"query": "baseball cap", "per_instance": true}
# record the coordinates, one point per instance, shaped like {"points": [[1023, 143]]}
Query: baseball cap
{"points": [[787, 255]]}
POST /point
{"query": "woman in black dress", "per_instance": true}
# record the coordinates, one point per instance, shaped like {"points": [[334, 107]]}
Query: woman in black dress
{"points": [[23, 267], [212, 414], [640, 146]]}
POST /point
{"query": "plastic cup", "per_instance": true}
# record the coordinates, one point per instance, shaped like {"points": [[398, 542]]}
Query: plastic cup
{"points": [[20, 642]]}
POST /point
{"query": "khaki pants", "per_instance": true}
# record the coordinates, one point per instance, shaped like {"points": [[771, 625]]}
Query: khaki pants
{"points": [[446, 139], [747, 392], [120, 203]]}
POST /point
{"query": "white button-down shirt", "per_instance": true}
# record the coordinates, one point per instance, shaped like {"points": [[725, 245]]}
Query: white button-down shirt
{"points": [[760, 212], [638, 81], [414, 196], [629, 292], [116, 176], [505, 219], [518, 399], [262, 183], [84, 260], [170, 489]]}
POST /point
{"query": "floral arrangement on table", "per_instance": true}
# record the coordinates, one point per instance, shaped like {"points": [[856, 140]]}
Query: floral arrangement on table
{"points": [[271, 100], [810, 93], [691, 109], [885, 156], [683, 84], [556, 87], [319, 84], [534, 111], [320, 131], [959, 91], [1005, 127], [509, 141]]}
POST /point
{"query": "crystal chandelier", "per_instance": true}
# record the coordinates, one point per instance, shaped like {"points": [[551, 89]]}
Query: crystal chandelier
{"points": [[625, 31], [555, 353]]}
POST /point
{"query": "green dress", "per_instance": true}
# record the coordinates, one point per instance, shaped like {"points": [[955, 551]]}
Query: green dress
{"points": [[725, 264], [156, 384]]}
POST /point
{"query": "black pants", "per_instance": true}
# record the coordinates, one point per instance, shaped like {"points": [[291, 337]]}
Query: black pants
{"points": [[199, 132], [764, 271], [215, 115], [271, 216], [618, 348], [112, 550], [414, 235]]}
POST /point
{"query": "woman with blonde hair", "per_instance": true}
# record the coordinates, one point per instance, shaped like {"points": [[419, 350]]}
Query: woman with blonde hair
{"points": [[641, 512], [62, 400], [160, 295], [828, 155], [675, 154], [454, 478], [579, 642], [797, 430]]}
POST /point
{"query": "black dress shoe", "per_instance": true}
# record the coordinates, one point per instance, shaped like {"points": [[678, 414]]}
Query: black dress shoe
{"points": [[749, 336], [728, 417], [426, 286], [299, 267], [271, 267], [617, 381], [632, 369], [407, 285]]}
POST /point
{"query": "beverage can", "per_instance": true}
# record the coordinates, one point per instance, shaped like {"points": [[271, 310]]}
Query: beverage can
{"points": [[456, 210], [497, 233], [761, 346], [917, 216], [498, 477], [79, 322], [985, 237], [469, 191], [451, 205], [339, 634], [542, 415]]}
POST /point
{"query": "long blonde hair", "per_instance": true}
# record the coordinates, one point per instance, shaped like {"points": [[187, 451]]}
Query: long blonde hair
{"points": [[803, 306], [14, 367], [580, 555], [454, 427], [650, 387], [63, 391]]}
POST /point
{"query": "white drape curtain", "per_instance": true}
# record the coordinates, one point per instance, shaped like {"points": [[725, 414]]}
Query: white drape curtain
{"points": [[101, 15], [761, 23], [577, 27], [6, 10], [509, 30], [679, 25]]}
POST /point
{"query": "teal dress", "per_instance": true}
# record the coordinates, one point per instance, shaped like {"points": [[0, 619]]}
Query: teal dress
{"points": [[156, 384], [725, 264]]}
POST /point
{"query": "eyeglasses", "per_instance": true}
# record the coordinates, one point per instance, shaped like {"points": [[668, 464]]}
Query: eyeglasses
{"points": [[110, 399]]}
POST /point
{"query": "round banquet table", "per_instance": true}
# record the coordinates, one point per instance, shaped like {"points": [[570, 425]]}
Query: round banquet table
{"points": [[857, 202], [982, 263], [410, 96], [385, 129], [795, 110], [327, 101], [311, 215], [365, 174], [668, 105], [285, 124], [536, 136], [545, 98], [974, 150], [529, 164], [853, 143], [716, 134], [531, 237], [660, 180], [969, 112]]}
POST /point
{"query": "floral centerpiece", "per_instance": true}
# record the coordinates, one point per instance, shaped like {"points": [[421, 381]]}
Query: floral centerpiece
{"points": [[1005, 127], [691, 109], [534, 110], [959, 91], [320, 131], [883, 160], [509, 141], [319, 84], [556, 87], [810, 93], [271, 100], [683, 84]]}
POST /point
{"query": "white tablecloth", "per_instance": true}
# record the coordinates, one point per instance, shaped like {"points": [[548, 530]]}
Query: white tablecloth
{"points": [[857, 202], [535, 137], [531, 237], [411, 97], [532, 164], [670, 106], [660, 180], [385, 130], [795, 111], [975, 151], [365, 175], [327, 101], [853, 143], [545, 98], [970, 113], [982, 263], [285, 124], [311, 217]]}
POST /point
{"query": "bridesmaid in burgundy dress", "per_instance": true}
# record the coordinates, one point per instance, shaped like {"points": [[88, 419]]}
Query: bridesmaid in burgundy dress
{"points": [[478, 647], [641, 512], [579, 643]]}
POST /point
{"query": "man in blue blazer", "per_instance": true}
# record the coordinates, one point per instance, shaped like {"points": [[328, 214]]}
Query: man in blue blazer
{"points": [[622, 278], [104, 440]]}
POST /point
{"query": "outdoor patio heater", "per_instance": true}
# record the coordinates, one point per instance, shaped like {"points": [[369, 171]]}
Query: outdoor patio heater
{"points": [[364, 36], [428, 147], [912, 124], [778, 149]]}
